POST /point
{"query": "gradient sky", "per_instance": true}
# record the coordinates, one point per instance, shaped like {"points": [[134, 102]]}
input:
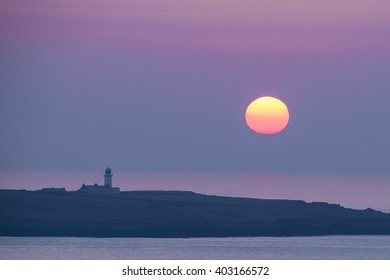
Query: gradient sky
{"points": [[146, 86]]}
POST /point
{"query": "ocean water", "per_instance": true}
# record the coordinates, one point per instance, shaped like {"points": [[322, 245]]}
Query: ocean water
{"points": [[271, 248]]}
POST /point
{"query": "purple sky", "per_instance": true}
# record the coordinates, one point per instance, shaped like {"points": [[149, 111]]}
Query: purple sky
{"points": [[162, 86]]}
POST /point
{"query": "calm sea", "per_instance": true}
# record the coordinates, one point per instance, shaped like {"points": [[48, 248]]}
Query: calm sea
{"points": [[69, 248]]}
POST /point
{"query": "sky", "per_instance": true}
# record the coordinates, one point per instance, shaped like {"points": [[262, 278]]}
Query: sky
{"points": [[162, 86]]}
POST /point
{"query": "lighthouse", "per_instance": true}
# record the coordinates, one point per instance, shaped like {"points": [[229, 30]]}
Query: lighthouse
{"points": [[108, 178], [106, 189]]}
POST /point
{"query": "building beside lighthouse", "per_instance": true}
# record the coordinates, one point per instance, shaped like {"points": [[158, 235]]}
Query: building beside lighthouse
{"points": [[106, 189]]}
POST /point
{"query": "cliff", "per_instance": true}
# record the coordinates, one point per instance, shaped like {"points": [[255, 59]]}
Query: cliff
{"points": [[177, 214]]}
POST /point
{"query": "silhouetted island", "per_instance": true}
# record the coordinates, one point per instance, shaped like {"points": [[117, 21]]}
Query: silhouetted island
{"points": [[177, 214]]}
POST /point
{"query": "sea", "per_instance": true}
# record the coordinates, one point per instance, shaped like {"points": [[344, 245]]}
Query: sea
{"points": [[239, 248]]}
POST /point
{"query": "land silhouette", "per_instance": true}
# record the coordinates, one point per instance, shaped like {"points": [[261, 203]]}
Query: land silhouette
{"points": [[177, 214]]}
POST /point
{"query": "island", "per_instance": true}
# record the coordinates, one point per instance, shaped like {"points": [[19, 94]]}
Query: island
{"points": [[176, 214]]}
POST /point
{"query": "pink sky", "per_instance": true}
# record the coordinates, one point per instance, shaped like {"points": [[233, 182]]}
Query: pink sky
{"points": [[163, 85], [239, 26]]}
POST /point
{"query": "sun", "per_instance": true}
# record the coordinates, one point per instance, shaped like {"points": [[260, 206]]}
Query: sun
{"points": [[267, 115]]}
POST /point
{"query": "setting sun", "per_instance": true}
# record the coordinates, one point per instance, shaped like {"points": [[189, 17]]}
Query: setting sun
{"points": [[267, 115]]}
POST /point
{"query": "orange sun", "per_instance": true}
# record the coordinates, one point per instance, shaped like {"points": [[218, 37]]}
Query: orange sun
{"points": [[267, 115]]}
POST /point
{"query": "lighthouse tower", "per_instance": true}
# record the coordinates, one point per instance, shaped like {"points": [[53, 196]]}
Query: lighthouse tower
{"points": [[108, 178]]}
